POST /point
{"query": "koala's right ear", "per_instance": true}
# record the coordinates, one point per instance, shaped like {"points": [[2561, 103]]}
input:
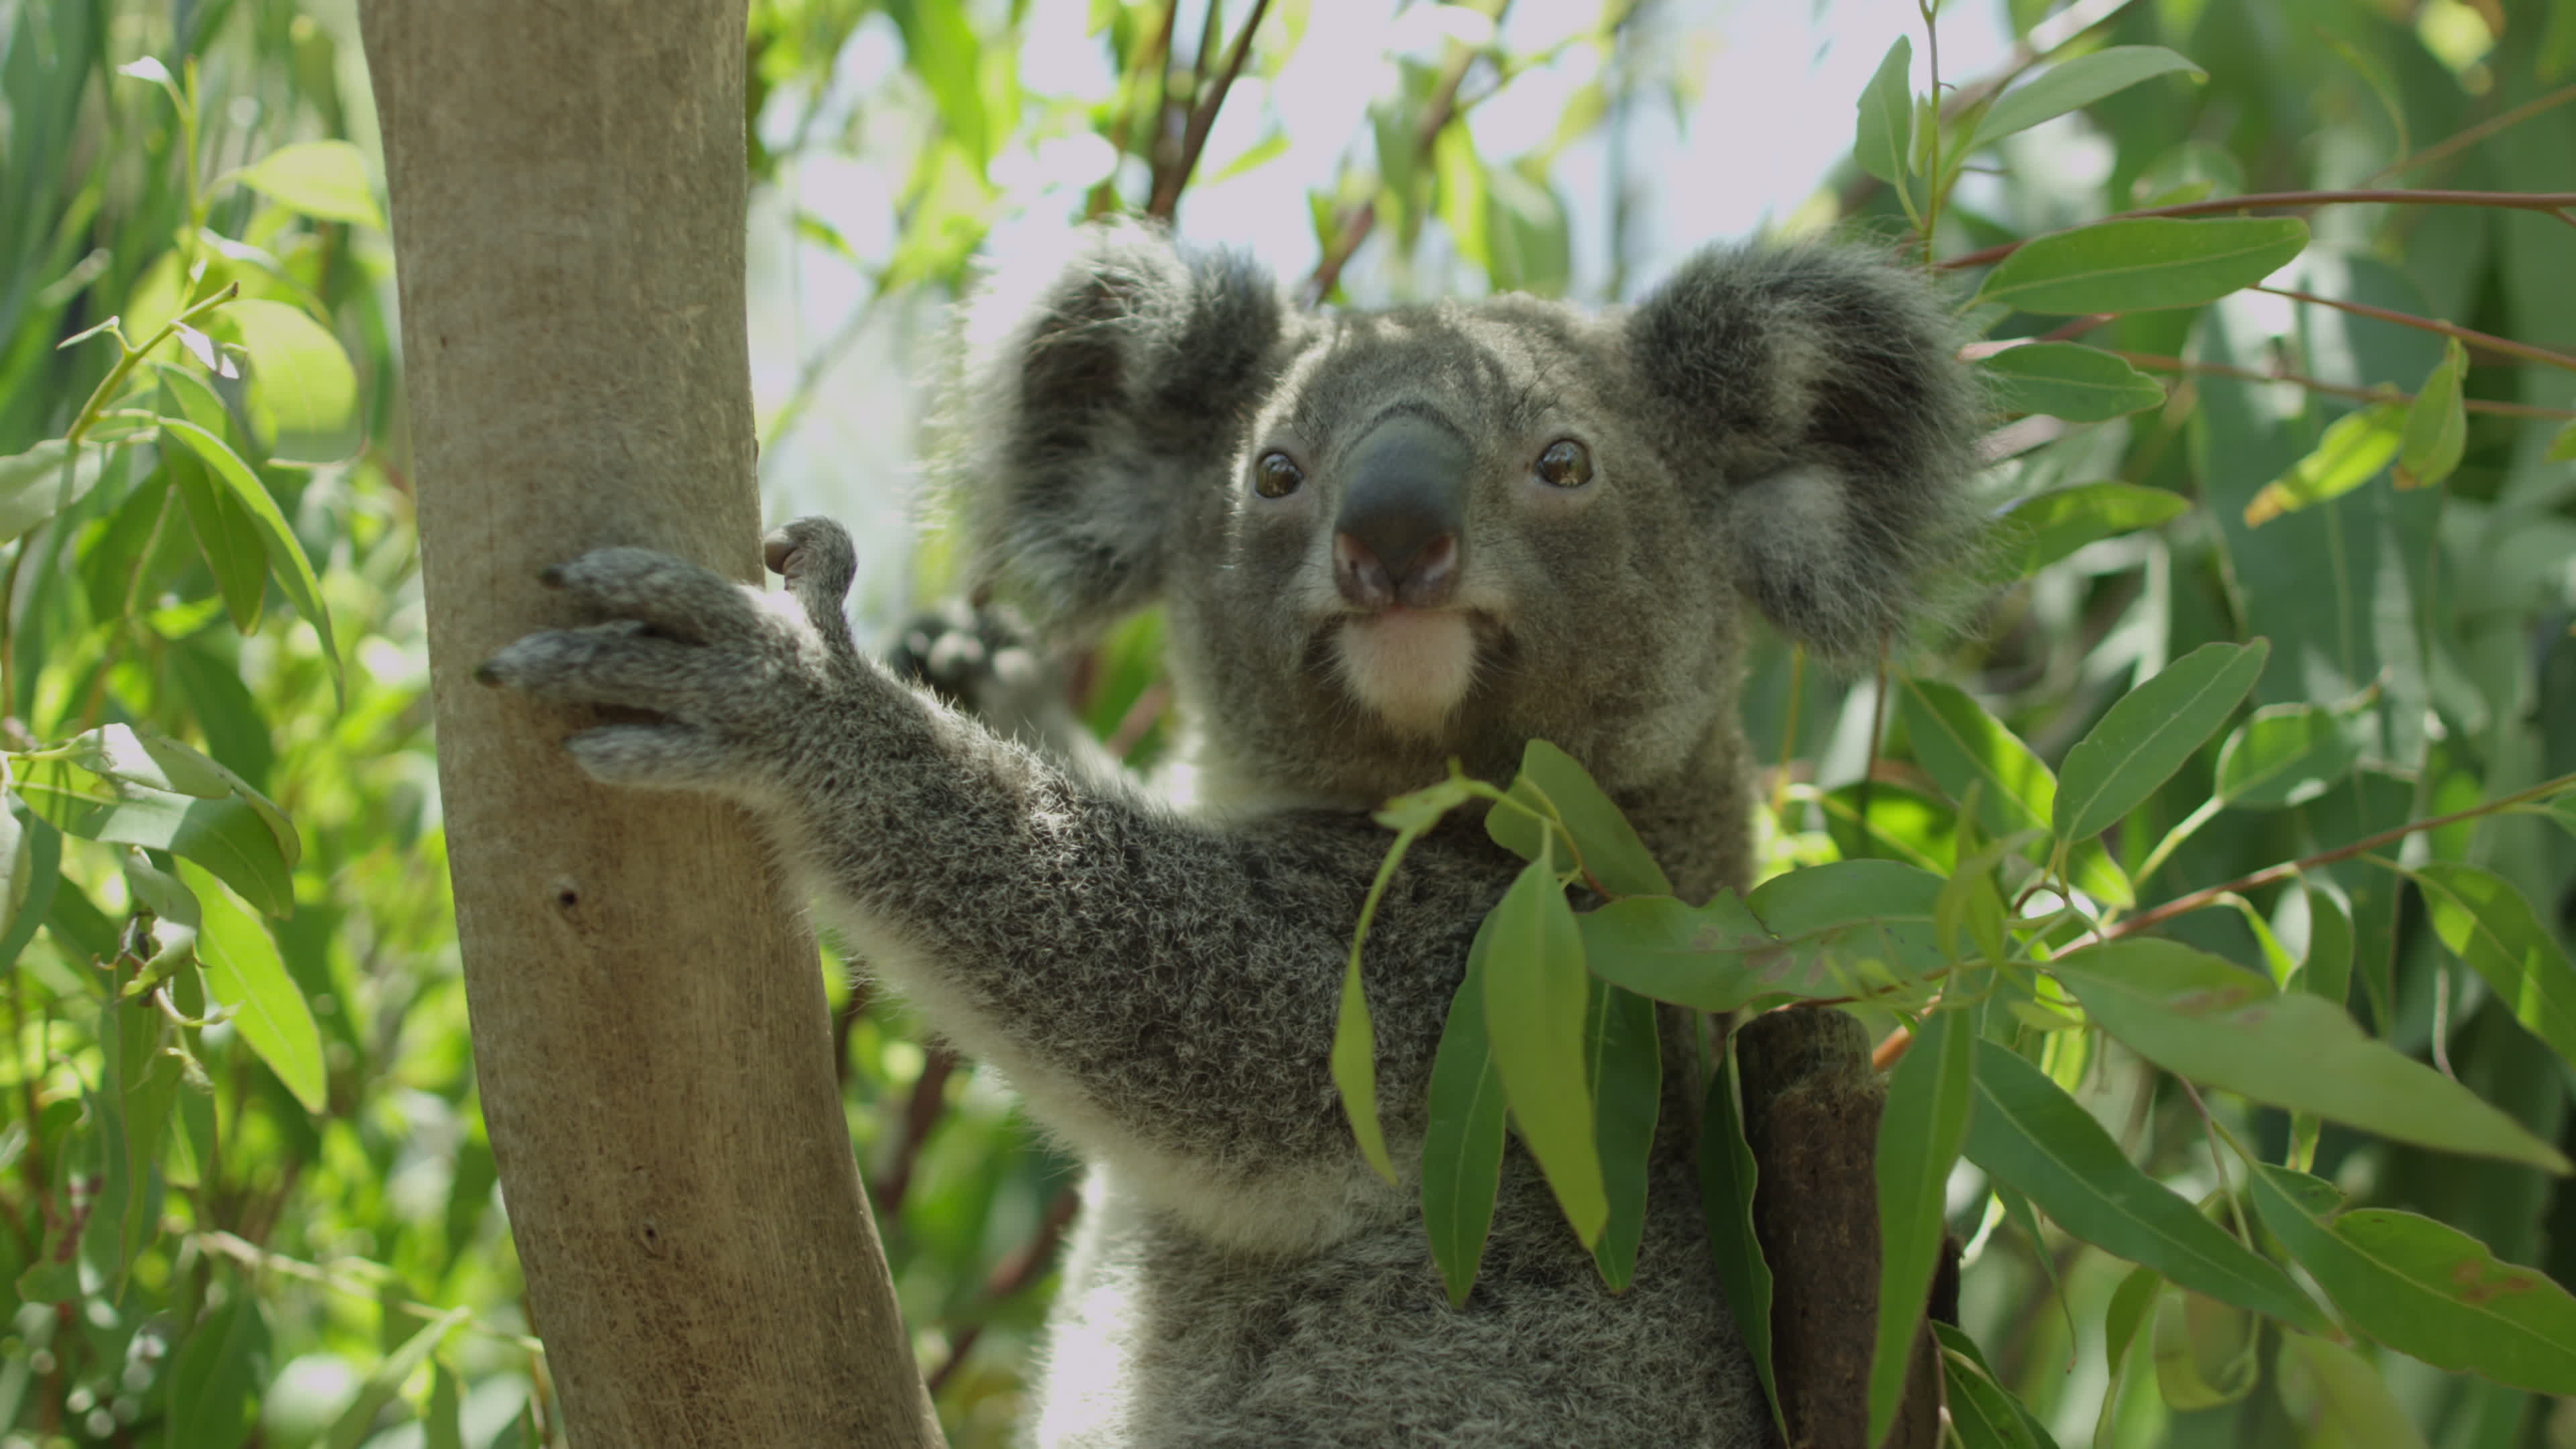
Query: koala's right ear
{"points": [[1104, 400]]}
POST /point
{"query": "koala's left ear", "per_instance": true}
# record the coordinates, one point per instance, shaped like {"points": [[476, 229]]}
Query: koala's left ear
{"points": [[1816, 394], [1105, 398]]}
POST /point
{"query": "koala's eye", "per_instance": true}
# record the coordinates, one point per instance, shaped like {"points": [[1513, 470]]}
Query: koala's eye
{"points": [[1274, 476], [1566, 463]]}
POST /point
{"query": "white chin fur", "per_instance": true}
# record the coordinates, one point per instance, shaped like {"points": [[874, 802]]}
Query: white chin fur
{"points": [[1409, 667]]}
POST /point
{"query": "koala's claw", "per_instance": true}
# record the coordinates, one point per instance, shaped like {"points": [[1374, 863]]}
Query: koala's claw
{"points": [[672, 595]]}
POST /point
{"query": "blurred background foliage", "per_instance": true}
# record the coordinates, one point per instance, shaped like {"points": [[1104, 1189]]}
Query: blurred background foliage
{"points": [[245, 1195]]}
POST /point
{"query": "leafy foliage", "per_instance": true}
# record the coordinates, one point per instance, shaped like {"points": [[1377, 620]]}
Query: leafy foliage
{"points": [[244, 1188]]}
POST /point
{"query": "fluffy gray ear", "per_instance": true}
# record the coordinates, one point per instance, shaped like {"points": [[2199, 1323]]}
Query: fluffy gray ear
{"points": [[1104, 400], [1817, 392]]}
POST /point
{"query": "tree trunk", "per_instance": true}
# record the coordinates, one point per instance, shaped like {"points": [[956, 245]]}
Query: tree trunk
{"points": [[649, 1024]]}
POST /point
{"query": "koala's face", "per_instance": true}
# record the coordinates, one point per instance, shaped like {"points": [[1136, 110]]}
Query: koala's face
{"points": [[1442, 535], [1389, 539]]}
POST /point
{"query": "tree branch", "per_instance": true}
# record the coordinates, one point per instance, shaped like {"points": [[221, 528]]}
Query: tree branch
{"points": [[1167, 190], [2154, 362], [2474, 338], [2550, 203]]}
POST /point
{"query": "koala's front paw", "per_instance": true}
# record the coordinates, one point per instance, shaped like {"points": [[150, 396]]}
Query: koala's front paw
{"points": [[737, 676]]}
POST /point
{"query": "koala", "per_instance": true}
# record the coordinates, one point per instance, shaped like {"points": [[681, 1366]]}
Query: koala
{"points": [[1384, 540]]}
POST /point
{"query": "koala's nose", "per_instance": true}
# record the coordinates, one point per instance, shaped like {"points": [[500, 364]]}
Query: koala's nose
{"points": [[1395, 540]]}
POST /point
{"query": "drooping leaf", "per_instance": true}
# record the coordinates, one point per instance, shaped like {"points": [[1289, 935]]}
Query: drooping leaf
{"points": [[1626, 1060], [245, 974], [301, 381], [358, 1421], [158, 762], [1920, 1130], [322, 179], [2027, 1132], [2205, 1351], [35, 485], [2338, 1401], [2437, 422], [2143, 265], [1982, 1410], [2075, 84], [2149, 733], [226, 535], [2424, 1288], [2069, 380], [1462, 1145], [227, 836], [216, 1379], [2488, 924], [2132, 1304], [2202, 1017], [2045, 527], [1715, 957], [2285, 754], [285, 556], [1886, 129], [1610, 850], [1535, 990], [1728, 1176], [2352, 451]]}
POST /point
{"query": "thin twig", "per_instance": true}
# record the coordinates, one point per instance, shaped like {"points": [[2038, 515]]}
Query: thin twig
{"points": [[2474, 134], [2156, 362], [920, 1114], [1013, 1274], [1358, 220], [1167, 189], [2184, 905], [2470, 336]]}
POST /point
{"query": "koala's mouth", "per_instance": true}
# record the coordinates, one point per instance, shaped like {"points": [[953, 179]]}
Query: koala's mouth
{"points": [[1412, 668]]}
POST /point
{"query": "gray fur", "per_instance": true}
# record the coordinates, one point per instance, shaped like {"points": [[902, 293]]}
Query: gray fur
{"points": [[1160, 982]]}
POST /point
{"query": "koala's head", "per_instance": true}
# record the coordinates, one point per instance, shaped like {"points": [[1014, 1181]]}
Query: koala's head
{"points": [[1385, 539]]}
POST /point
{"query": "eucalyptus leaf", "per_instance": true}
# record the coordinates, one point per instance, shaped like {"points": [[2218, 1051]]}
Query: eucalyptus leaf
{"points": [[2354, 448], [2150, 733], [2337, 1399], [2425, 1288], [2283, 755], [1920, 1130], [2074, 84], [1887, 116], [2068, 380], [322, 179], [285, 555], [1729, 1175], [2045, 527], [1535, 994], [1551, 783], [2207, 1019], [1982, 1410], [1626, 1061], [35, 485], [2488, 924], [2027, 1132], [245, 974], [2144, 264], [2437, 422], [1462, 1144], [228, 836]]}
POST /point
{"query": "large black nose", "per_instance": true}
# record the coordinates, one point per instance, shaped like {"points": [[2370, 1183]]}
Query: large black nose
{"points": [[1395, 540]]}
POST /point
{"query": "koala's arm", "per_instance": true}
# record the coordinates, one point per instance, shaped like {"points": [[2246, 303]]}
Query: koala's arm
{"points": [[1163, 990]]}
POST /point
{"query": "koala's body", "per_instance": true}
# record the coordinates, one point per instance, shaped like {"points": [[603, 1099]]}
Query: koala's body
{"points": [[1384, 541]]}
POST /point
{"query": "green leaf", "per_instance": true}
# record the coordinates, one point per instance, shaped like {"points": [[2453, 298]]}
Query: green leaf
{"points": [[2204, 1018], [2355, 447], [1728, 1177], [2488, 924], [2131, 1304], [160, 763], [2437, 423], [2143, 265], [1848, 914], [285, 556], [216, 1379], [35, 485], [2285, 754], [2075, 84], [323, 179], [1553, 784], [1626, 1059], [1966, 750], [1984, 1412], [1462, 1147], [2562, 448], [1919, 1135], [2338, 1401], [358, 1421], [1355, 1068], [2068, 380], [1887, 116], [246, 975], [1715, 957], [1528, 232], [2425, 1288], [2148, 735], [1461, 192], [228, 836], [1535, 993], [226, 535], [2205, 1352], [2045, 527], [443, 1425], [2027, 1132], [300, 380]]}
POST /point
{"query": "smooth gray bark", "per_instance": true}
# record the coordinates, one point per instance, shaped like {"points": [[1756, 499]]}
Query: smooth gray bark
{"points": [[649, 1026]]}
